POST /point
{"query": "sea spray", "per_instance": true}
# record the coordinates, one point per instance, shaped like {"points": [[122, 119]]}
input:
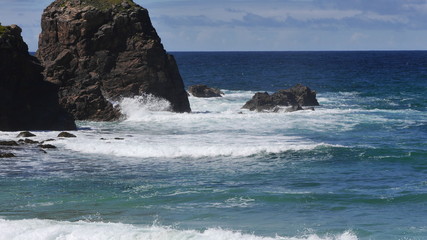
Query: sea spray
{"points": [[138, 106]]}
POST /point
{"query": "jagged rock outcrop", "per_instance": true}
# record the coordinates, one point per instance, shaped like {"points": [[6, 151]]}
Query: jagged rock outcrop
{"points": [[100, 50], [26, 101], [294, 98], [303, 95], [203, 91]]}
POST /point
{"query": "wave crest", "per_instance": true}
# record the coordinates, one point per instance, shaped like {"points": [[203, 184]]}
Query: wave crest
{"points": [[35, 229]]}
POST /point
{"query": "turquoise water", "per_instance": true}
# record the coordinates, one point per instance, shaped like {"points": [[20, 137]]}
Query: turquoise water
{"points": [[356, 168]]}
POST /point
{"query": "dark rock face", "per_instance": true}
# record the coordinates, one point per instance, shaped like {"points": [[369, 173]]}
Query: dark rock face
{"points": [[296, 97], [303, 95], [204, 91], [26, 101], [97, 51]]}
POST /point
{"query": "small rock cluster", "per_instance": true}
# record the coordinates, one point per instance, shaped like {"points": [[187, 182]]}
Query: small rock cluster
{"points": [[25, 140], [294, 99]]}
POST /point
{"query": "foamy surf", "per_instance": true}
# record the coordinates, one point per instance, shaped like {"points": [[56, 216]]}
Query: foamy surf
{"points": [[187, 145], [35, 229], [138, 106]]}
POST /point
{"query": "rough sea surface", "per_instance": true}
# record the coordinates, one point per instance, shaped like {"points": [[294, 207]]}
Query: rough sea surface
{"points": [[355, 168]]}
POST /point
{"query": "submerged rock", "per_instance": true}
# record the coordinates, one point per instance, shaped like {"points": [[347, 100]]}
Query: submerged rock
{"points": [[204, 91], [295, 97], [26, 101], [99, 50]]}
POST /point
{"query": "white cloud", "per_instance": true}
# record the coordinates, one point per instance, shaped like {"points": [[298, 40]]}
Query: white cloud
{"points": [[265, 25]]}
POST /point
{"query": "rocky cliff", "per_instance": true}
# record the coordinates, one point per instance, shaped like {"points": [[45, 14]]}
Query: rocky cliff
{"points": [[101, 50], [26, 101]]}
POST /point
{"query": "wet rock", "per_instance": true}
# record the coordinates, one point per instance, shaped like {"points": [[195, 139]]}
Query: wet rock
{"points": [[303, 95], [294, 108], [28, 141], [26, 134], [203, 91], [295, 98], [47, 146], [66, 135], [8, 143], [27, 102], [7, 155], [96, 51]]}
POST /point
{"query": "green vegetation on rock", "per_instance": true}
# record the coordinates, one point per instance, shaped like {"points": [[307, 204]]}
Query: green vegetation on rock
{"points": [[103, 4], [3, 29]]}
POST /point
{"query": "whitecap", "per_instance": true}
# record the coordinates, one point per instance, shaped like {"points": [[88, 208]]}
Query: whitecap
{"points": [[35, 229]]}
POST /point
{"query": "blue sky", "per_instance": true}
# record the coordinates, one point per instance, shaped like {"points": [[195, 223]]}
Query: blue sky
{"points": [[257, 25]]}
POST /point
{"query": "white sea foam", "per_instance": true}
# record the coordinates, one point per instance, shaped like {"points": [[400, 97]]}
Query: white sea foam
{"points": [[195, 146], [54, 230], [219, 127], [134, 108]]}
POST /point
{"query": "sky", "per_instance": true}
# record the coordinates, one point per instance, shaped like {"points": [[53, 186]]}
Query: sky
{"points": [[265, 25]]}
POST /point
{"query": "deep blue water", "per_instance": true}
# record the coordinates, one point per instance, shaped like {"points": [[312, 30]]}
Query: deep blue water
{"points": [[355, 168]]}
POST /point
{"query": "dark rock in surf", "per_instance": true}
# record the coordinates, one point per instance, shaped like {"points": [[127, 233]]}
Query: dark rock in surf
{"points": [[28, 141], [265, 102], [98, 50], [303, 95], [203, 91], [7, 155], [8, 143], [26, 134], [27, 102], [294, 108], [295, 97], [66, 135], [47, 146]]}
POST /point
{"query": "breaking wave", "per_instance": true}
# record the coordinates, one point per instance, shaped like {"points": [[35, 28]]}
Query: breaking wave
{"points": [[35, 229]]}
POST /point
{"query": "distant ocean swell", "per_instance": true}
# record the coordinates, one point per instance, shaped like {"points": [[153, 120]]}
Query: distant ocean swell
{"points": [[55, 230]]}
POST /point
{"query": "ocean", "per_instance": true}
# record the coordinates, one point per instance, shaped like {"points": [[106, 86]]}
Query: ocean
{"points": [[355, 168]]}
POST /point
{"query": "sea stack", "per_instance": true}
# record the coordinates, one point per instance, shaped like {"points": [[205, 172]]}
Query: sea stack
{"points": [[27, 102], [101, 50]]}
